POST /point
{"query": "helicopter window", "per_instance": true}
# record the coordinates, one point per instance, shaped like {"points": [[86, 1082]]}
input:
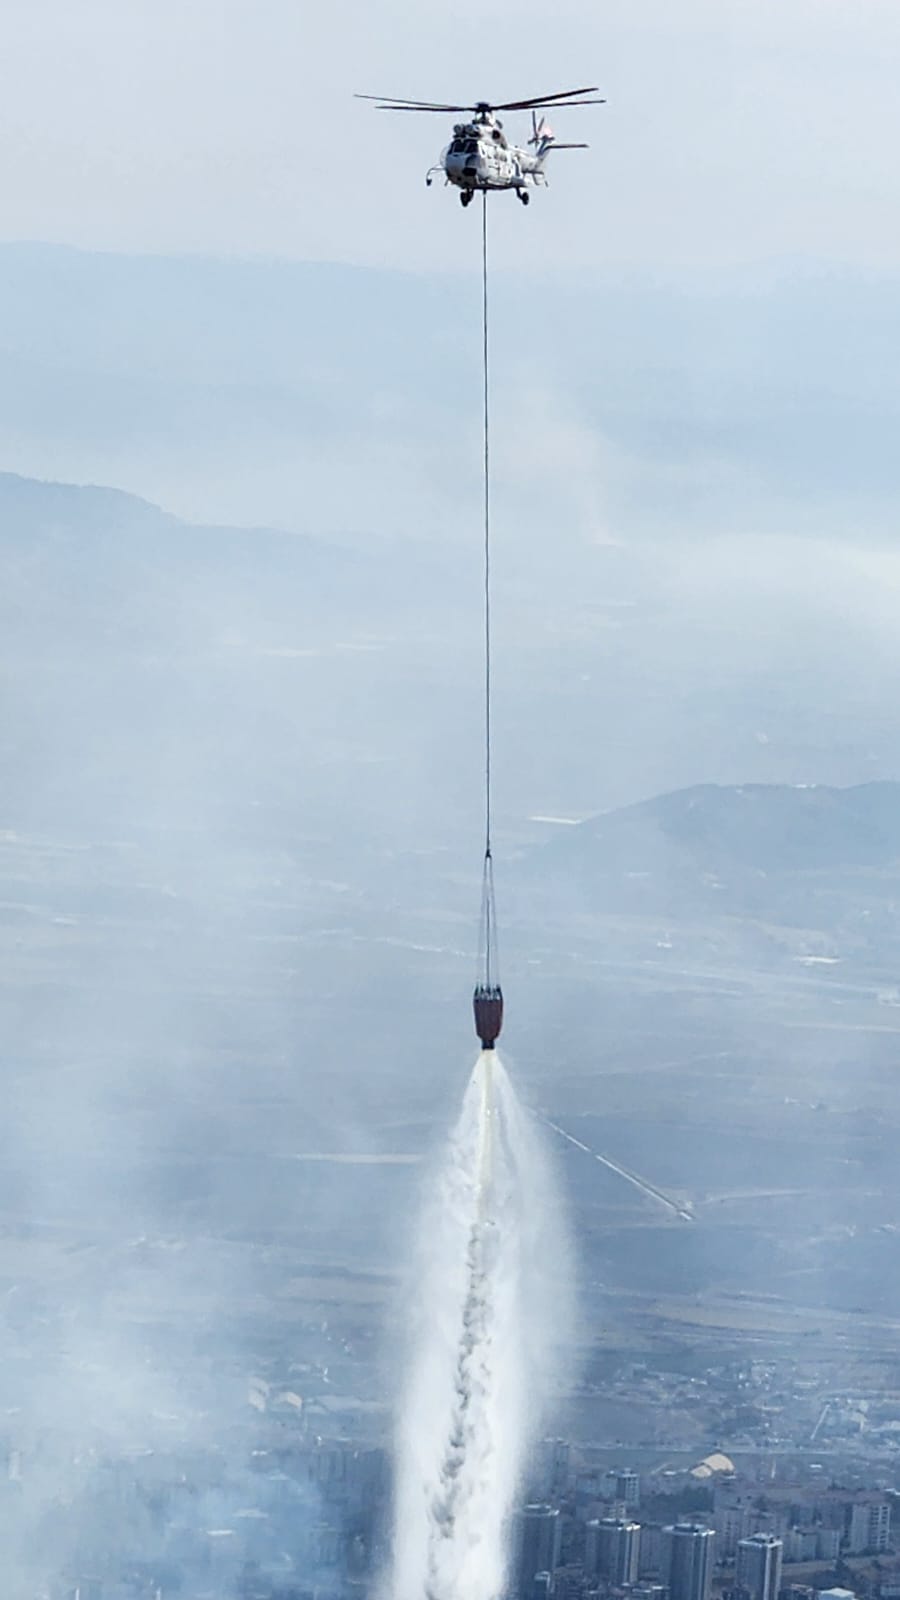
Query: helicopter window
{"points": [[458, 146], [471, 147]]}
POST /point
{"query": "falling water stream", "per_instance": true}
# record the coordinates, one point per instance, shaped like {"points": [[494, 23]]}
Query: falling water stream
{"points": [[486, 1319]]}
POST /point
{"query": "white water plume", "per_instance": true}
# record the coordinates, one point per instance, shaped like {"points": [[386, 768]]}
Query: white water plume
{"points": [[488, 1313]]}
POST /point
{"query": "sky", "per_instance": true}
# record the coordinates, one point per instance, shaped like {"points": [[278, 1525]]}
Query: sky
{"points": [[738, 133]]}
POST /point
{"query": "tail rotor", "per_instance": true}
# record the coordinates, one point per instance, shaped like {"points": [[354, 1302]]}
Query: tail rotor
{"points": [[544, 139], [541, 131]]}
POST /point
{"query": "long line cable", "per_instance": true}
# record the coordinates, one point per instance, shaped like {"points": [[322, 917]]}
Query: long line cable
{"points": [[487, 533], [488, 910]]}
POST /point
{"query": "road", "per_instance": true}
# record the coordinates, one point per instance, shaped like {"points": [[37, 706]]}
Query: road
{"points": [[634, 1178]]}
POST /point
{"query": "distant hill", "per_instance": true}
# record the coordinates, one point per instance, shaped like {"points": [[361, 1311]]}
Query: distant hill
{"points": [[157, 668], [87, 563], [155, 664], [754, 827], [750, 849], [94, 562]]}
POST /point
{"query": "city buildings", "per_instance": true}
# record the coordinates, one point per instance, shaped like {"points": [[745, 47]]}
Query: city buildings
{"points": [[688, 1560], [551, 1467], [299, 1517], [654, 1548], [814, 1543], [612, 1549], [758, 1566], [870, 1525], [536, 1545], [628, 1489]]}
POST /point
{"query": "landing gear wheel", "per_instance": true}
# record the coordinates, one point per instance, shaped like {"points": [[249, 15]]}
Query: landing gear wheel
{"points": [[467, 197], [524, 196]]}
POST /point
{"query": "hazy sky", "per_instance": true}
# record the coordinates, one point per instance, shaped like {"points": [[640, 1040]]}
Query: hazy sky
{"points": [[736, 131]]}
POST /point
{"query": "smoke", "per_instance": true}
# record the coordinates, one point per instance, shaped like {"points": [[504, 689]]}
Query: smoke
{"points": [[489, 1316]]}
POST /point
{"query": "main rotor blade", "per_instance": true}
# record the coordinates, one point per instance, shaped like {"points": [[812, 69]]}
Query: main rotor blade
{"points": [[556, 105], [444, 110], [559, 105], [544, 99], [411, 105], [564, 98]]}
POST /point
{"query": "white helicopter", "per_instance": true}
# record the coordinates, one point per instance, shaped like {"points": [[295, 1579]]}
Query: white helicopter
{"points": [[480, 155]]}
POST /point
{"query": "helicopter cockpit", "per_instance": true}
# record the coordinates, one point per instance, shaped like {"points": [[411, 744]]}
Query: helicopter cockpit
{"points": [[465, 140]]}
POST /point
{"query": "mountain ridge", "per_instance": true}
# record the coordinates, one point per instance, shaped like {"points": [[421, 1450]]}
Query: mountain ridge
{"points": [[865, 816]]}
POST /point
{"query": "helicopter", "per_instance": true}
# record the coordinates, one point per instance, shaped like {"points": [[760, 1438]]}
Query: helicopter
{"points": [[480, 156]]}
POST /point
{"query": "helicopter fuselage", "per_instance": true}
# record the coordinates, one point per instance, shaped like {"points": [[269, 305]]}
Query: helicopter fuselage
{"points": [[480, 157]]}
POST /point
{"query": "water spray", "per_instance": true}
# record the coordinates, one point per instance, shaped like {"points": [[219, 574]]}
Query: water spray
{"points": [[490, 1292]]}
